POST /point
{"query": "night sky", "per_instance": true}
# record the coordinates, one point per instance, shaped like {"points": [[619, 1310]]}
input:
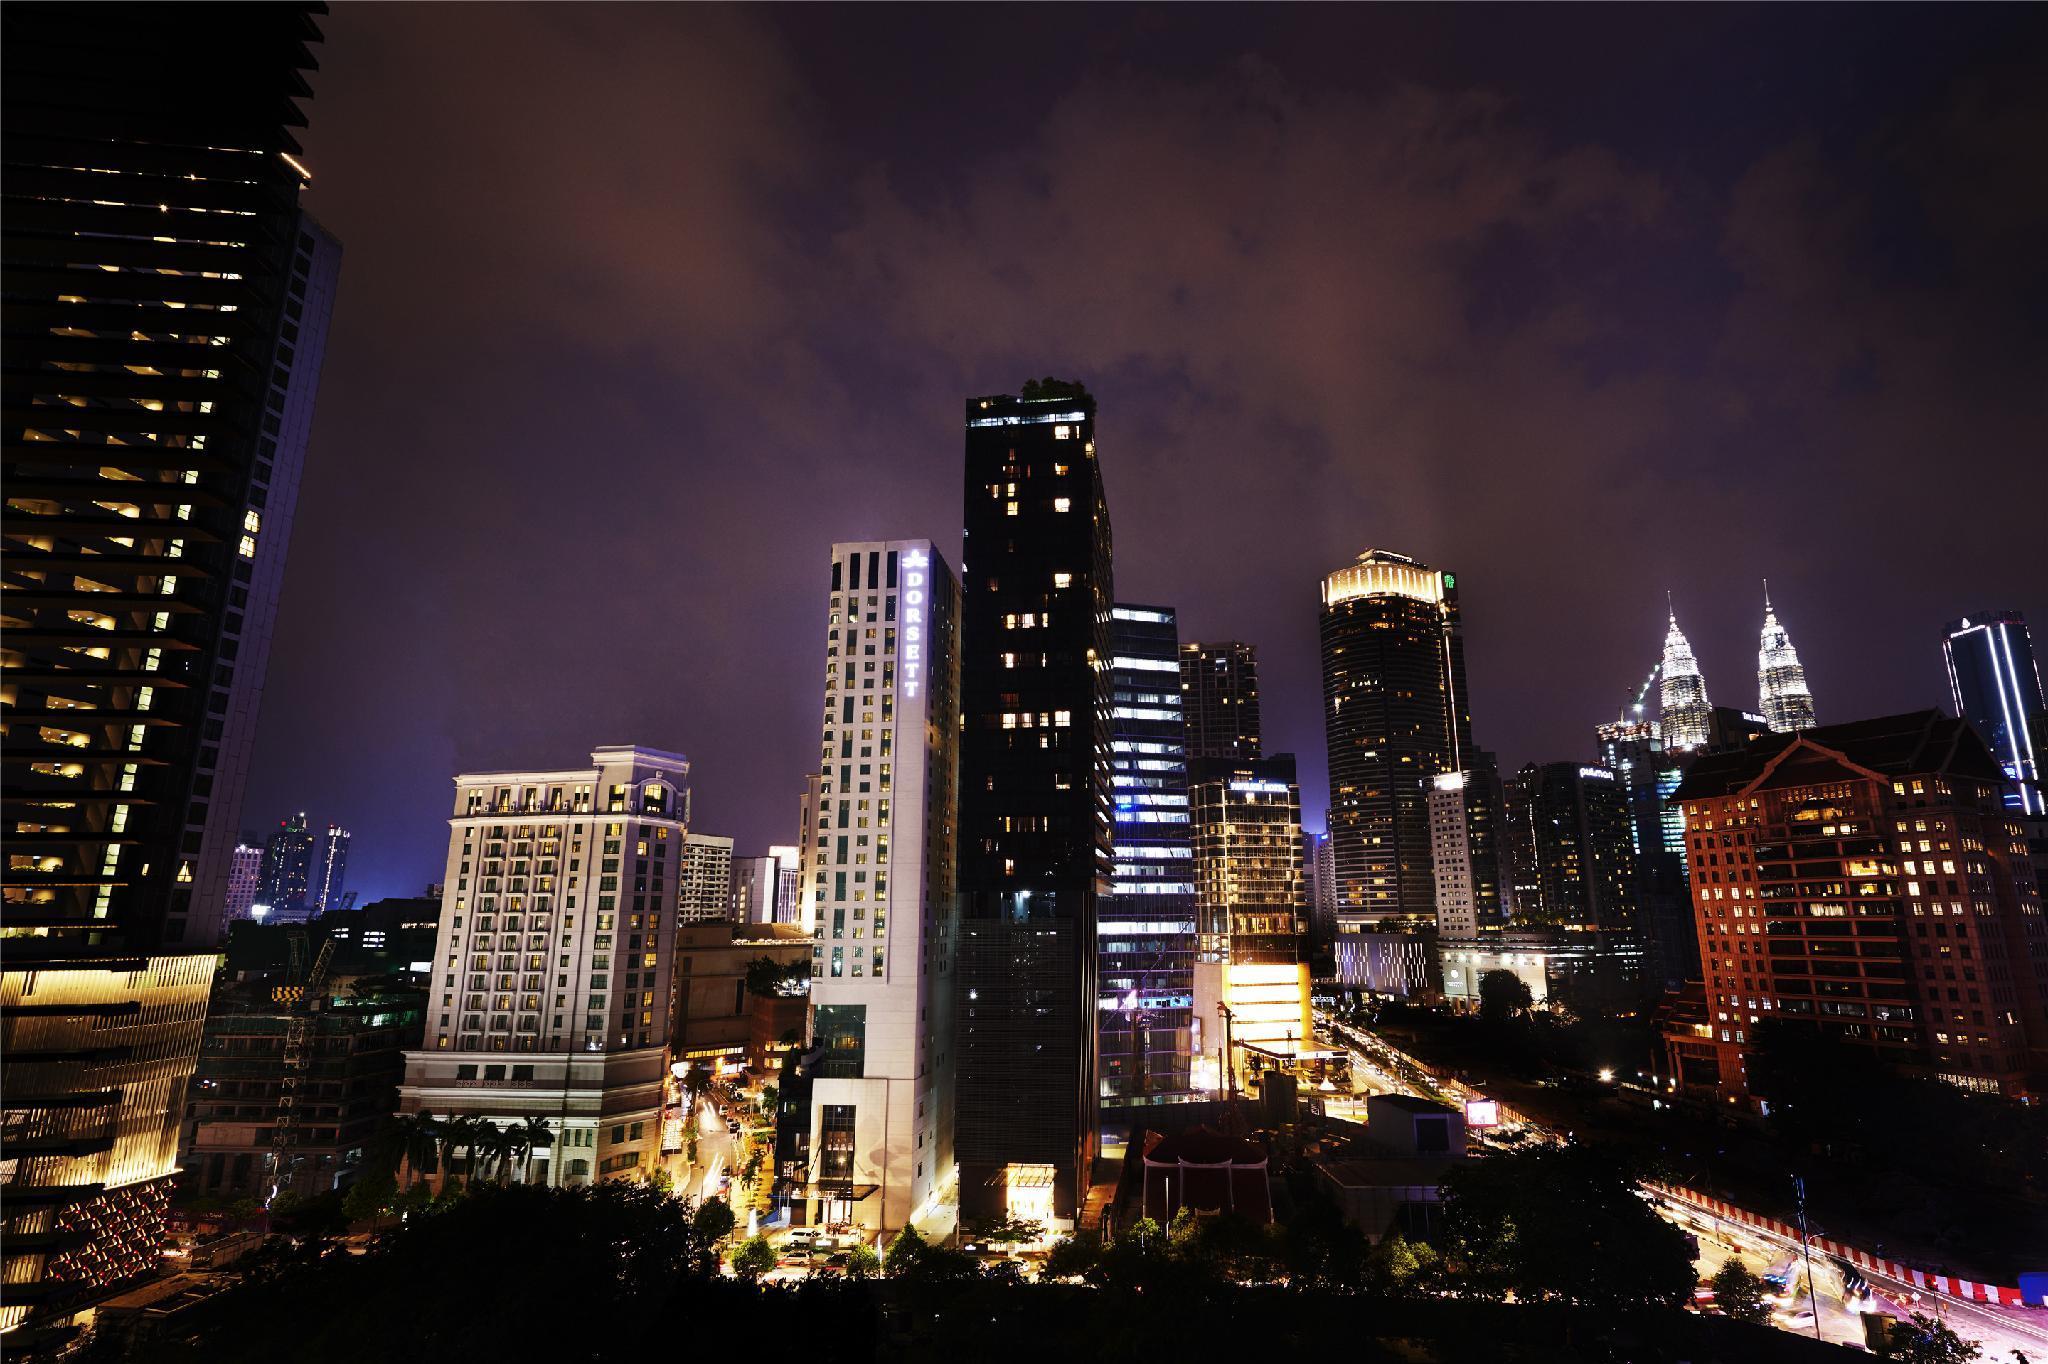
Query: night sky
{"points": [[644, 307]]}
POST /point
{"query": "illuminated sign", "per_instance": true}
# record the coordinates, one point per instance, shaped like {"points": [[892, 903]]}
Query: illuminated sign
{"points": [[1271, 788], [1596, 773], [1450, 781], [1482, 1113], [915, 575]]}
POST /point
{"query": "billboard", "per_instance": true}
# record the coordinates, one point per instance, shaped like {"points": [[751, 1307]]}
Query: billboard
{"points": [[1482, 1113]]}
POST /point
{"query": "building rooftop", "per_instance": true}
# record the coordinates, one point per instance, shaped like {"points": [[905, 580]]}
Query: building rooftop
{"points": [[1889, 746]]}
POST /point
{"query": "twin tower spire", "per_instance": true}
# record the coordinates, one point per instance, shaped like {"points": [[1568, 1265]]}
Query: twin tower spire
{"points": [[1781, 684]]}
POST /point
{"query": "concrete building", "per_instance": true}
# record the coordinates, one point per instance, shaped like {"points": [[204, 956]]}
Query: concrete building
{"points": [[704, 893], [882, 873], [1219, 685], [1457, 910], [554, 959], [789, 883], [243, 882], [1395, 1184], [718, 1021]]}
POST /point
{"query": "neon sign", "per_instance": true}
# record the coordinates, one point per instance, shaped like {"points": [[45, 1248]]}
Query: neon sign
{"points": [[914, 577]]}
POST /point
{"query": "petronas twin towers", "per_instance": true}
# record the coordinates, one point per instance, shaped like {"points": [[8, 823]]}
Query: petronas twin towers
{"points": [[1687, 715]]}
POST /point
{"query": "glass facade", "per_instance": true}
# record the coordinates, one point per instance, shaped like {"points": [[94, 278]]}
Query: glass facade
{"points": [[1995, 686]]}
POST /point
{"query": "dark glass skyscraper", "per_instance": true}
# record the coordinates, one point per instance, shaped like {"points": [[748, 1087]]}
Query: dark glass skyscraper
{"points": [[1580, 834], [1995, 686], [1633, 749], [286, 878], [1395, 715], [1146, 927], [166, 307], [1221, 685], [1035, 797]]}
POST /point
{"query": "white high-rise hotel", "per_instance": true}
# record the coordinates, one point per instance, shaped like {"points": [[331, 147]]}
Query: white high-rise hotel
{"points": [[881, 883], [550, 995]]}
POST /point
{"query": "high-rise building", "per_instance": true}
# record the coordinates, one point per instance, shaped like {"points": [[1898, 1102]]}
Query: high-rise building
{"points": [[1633, 749], [1035, 799], [807, 835], [1457, 908], [704, 887], [1685, 710], [1994, 684], [553, 960], [1252, 910], [1485, 798], [151, 219], [1395, 715], [333, 874], [1582, 840], [1220, 689], [1866, 880], [286, 877], [1319, 875], [244, 879], [1780, 681], [789, 881], [753, 890], [881, 1118], [1146, 924]]}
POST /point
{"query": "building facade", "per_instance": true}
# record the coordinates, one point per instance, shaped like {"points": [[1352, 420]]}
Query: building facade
{"points": [[705, 893], [327, 891], [1395, 715], [245, 878], [1994, 684], [1220, 699], [553, 961], [1450, 843], [1036, 850], [1868, 881], [1633, 749], [1144, 1007], [882, 961], [1780, 680], [286, 878]]}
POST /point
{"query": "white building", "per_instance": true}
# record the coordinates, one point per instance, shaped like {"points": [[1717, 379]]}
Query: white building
{"points": [[554, 957], [789, 881], [881, 880], [1450, 846], [245, 870], [706, 881]]}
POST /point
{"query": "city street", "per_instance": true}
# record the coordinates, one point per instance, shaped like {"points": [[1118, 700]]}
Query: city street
{"points": [[716, 1154]]}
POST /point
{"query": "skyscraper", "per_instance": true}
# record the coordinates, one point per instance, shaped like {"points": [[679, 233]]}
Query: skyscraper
{"points": [[1583, 844], [789, 881], [1395, 715], [1781, 683], [1457, 910], [287, 875], [1994, 684], [1220, 689], [244, 877], [1035, 799], [166, 309], [1146, 925], [334, 847], [704, 885], [554, 959], [1686, 710], [1633, 749], [882, 870], [806, 839]]}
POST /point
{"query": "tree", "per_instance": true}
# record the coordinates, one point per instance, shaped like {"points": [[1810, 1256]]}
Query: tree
{"points": [[862, 1262], [713, 1221], [1563, 1224], [754, 1258], [1399, 1267], [1926, 1341], [1740, 1294], [1005, 1230], [370, 1196], [1504, 995], [535, 1134], [772, 979], [1072, 1256]]}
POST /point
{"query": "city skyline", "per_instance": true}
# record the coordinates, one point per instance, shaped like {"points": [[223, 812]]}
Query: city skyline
{"points": [[1615, 411]]}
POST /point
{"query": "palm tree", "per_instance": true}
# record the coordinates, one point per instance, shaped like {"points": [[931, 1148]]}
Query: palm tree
{"points": [[533, 1134], [412, 1138]]}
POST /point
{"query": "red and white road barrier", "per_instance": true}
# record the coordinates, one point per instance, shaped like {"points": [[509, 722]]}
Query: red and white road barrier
{"points": [[1945, 1284]]}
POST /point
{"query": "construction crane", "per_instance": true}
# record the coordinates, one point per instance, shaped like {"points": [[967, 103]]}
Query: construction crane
{"points": [[298, 1056], [1635, 708]]}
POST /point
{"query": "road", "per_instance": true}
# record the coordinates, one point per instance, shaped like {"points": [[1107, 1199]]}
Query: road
{"points": [[715, 1153], [2001, 1332]]}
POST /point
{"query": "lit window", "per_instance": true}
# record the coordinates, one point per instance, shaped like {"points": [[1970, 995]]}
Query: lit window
{"points": [[248, 546], [1062, 580], [1009, 508], [1063, 433], [1060, 504]]}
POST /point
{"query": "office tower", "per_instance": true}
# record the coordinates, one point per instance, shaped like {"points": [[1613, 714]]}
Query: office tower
{"points": [[789, 881], [1035, 846], [1146, 925], [1633, 749], [1220, 689], [244, 879], [1319, 886], [1780, 681], [1248, 883], [806, 848], [151, 217], [882, 874], [287, 873], [754, 883], [1395, 715], [1457, 908], [327, 886], [704, 888], [1582, 842], [552, 960], [1685, 709], [1485, 800], [1867, 880], [1994, 685]]}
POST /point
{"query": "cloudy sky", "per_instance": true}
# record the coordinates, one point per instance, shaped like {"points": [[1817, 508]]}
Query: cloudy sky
{"points": [[643, 307]]}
